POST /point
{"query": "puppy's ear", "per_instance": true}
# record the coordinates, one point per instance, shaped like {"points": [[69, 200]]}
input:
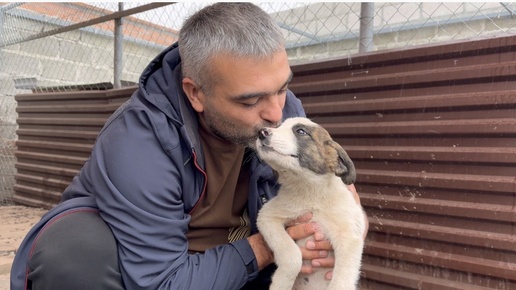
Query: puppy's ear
{"points": [[339, 162]]}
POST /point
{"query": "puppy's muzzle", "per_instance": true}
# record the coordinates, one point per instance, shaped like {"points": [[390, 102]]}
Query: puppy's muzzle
{"points": [[264, 133]]}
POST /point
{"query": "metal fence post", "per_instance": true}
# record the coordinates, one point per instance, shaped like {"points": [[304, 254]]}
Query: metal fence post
{"points": [[118, 58], [366, 42]]}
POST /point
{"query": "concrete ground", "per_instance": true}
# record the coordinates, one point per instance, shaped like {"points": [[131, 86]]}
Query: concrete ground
{"points": [[15, 222]]}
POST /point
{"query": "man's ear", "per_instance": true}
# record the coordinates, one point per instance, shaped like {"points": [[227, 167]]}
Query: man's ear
{"points": [[194, 94]]}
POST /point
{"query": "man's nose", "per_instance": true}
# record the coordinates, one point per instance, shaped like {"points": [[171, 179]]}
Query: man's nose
{"points": [[274, 110]]}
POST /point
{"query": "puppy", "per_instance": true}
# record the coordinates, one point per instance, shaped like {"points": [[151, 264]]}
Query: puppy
{"points": [[313, 171]]}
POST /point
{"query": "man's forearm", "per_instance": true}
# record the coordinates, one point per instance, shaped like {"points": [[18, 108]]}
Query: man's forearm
{"points": [[263, 254]]}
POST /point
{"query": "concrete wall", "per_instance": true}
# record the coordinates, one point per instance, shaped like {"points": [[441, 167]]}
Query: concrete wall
{"points": [[335, 26], [76, 57]]}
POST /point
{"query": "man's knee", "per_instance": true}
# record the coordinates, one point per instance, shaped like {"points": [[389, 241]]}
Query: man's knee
{"points": [[76, 251]]}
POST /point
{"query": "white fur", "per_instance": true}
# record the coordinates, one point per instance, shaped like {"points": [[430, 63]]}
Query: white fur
{"points": [[332, 204]]}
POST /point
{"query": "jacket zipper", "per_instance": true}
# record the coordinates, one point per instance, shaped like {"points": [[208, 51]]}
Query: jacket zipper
{"points": [[264, 199], [204, 185]]}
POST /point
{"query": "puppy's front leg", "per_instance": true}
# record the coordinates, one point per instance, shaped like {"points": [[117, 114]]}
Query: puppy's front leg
{"points": [[287, 254], [348, 256]]}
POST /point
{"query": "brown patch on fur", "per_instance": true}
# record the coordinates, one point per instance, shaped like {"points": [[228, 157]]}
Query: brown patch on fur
{"points": [[331, 157], [317, 154], [335, 157]]}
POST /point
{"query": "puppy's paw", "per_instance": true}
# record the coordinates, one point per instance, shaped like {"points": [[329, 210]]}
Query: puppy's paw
{"points": [[289, 265]]}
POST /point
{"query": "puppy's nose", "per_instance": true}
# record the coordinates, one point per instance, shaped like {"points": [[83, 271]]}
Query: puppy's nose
{"points": [[264, 133]]}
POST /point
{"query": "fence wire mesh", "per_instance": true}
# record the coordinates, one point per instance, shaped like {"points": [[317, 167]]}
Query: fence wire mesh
{"points": [[71, 46]]}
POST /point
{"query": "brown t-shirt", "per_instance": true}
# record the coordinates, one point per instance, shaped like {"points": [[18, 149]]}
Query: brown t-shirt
{"points": [[221, 215]]}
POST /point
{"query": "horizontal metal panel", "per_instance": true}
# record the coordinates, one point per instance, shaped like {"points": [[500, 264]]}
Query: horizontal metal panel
{"points": [[439, 180], [455, 51], [62, 121], [45, 182], [446, 234], [491, 72], [435, 153], [432, 132], [50, 158], [410, 280], [48, 145], [56, 133], [45, 169], [36, 196], [502, 213], [453, 261], [72, 108], [448, 101], [64, 95]]}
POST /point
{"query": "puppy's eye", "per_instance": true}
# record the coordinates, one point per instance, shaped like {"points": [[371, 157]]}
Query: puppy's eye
{"points": [[301, 132]]}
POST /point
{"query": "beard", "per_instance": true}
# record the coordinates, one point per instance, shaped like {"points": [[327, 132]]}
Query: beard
{"points": [[225, 128]]}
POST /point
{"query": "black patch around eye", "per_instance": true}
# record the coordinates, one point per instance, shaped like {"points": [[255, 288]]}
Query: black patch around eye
{"points": [[301, 130]]}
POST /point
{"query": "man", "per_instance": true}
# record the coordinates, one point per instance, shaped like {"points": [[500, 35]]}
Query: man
{"points": [[169, 196]]}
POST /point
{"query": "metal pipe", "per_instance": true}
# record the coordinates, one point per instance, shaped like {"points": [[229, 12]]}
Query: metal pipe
{"points": [[11, 6], [2, 40], [508, 8], [118, 59], [300, 32], [366, 41], [94, 21], [3, 9], [2, 37]]}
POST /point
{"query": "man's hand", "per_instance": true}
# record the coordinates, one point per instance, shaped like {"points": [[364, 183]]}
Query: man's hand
{"points": [[357, 199], [315, 250]]}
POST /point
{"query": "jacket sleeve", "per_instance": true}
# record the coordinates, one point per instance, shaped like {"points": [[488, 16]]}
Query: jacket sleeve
{"points": [[138, 183]]}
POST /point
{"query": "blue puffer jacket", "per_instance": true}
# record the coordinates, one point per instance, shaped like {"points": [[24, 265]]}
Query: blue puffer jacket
{"points": [[145, 174]]}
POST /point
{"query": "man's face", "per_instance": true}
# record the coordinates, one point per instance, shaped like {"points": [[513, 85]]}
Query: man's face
{"points": [[249, 94]]}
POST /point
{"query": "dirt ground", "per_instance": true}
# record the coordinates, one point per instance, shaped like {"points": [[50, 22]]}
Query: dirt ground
{"points": [[15, 222]]}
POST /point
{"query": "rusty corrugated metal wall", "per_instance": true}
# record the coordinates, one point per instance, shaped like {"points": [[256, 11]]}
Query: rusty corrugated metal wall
{"points": [[432, 132], [55, 136]]}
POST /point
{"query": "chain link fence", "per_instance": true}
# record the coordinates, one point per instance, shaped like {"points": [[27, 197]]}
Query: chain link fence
{"points": [[71, 46]]}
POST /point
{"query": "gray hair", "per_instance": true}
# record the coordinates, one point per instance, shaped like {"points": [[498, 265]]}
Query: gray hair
{"points": [[229, 29]]}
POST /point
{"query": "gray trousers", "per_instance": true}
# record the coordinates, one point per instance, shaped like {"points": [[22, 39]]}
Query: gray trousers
{"points": [[77, 251]]}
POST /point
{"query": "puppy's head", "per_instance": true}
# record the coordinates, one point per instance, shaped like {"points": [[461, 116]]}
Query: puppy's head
{"points": [[300, 145]]}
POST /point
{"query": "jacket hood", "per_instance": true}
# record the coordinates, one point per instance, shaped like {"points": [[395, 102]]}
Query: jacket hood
{"points": [[160, 78], [160, 84]]}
